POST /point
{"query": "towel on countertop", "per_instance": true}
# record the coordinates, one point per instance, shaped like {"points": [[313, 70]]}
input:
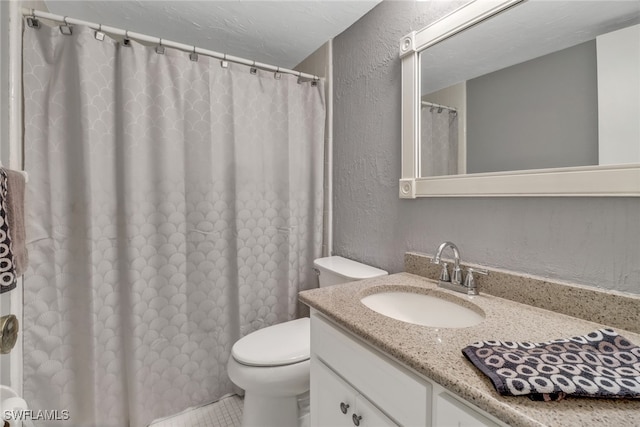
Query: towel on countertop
{"points": [[7, 266], [599, 364], [15, 217]]}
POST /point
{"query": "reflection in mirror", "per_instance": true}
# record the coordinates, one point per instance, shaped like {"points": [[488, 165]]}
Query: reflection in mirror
{"points": [[542, 85]]}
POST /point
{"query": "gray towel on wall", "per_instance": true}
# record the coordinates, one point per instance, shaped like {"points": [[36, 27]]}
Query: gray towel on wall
{"points": [[15, 218], [599, 364]]}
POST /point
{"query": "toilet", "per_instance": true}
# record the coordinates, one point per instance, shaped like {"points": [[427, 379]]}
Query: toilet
{"points": [[272, 364]]}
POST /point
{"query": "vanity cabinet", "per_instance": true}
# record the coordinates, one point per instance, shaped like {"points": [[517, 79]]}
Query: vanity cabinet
{"points": [[349, 377]]}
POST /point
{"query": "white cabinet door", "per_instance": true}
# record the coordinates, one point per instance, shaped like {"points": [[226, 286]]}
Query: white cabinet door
{"points": [[450, 412], [334, 403], [367, 415]]}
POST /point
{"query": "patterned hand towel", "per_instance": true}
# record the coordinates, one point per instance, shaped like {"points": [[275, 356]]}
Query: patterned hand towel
{"points": [[15, 218], [600, 364], [7, 267]]}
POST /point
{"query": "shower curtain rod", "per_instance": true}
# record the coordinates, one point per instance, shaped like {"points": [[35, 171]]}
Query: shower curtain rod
{"points": [[162, 42], [443, 107]]}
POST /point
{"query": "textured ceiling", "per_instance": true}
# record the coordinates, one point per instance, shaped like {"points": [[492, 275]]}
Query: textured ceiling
{"points": [[281, 33]]}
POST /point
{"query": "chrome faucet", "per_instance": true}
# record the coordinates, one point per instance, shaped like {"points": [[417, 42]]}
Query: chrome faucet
{"points": [[456, 279], [454, 282]]}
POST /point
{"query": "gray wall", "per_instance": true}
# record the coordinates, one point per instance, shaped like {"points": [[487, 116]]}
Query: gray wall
{"points": [[593, 241], [538, 114]]}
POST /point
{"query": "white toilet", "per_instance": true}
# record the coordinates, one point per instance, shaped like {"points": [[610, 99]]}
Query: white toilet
{"points": [[272, 364]]}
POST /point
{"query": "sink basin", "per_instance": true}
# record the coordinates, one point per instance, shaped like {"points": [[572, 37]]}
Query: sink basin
{"points": [[421, 309]]}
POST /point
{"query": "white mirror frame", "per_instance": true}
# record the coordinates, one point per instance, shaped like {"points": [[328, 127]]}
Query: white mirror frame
{"points": [[616, 180]]}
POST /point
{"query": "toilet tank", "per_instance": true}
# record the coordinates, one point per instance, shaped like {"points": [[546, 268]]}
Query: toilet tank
{"points": [[336, 269]]}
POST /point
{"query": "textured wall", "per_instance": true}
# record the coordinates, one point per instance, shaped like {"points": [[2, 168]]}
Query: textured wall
{"points": [[593, 241]]}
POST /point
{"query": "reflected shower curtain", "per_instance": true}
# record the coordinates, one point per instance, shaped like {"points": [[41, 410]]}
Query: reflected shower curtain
{"points": [[174, 206], [439, 142]]}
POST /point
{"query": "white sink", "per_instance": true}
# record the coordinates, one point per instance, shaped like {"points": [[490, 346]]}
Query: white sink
{"points": [[421, 309]]}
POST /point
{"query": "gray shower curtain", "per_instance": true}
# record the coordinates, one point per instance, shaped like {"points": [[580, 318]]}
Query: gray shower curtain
{"points": [[174, 206], [439, 142]]}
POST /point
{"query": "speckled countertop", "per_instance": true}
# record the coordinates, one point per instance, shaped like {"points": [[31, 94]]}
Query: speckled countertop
{"points": [[436, 353]]}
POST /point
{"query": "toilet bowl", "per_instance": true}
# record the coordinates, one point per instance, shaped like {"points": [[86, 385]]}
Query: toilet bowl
{"points": [[272, 364]]}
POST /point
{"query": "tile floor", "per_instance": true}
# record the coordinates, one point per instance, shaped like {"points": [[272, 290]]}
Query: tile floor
{"points": [[227, 412]]}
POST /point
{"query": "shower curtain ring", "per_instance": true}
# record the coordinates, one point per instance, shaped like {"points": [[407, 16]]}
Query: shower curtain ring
{"points": [[32, 21], [299, 77], [66, 28], [277, 74], [99, 35], [193, 55], [160, 48], [126, 41], [253, 69], [224, 63]]}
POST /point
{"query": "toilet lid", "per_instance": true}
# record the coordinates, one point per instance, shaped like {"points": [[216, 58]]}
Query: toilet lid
{"points": [[277, 345]]}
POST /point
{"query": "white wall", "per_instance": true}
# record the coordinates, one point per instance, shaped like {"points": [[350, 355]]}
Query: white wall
{"points": [[619, 96], [4, 81]]}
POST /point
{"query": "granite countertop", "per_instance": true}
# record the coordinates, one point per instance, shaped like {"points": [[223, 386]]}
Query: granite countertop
{"points": [[436, 353]]}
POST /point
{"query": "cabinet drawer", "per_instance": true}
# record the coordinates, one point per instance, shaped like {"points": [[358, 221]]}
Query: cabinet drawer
{"points": [[393, 389]]}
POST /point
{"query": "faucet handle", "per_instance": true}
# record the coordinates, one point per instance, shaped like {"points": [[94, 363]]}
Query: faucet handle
{"points": [[478, 270], [469, 281], [444, 274]]}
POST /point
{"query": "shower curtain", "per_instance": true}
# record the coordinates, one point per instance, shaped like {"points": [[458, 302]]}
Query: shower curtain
{"points": [[174, 206], [439, 142]]}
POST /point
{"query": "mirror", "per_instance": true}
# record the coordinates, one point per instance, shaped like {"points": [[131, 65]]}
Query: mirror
{"points": [[523, 98]]}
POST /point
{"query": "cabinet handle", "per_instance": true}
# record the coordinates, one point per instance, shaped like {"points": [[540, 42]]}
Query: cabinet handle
{"points": [[344, 407], [356, 419]]}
